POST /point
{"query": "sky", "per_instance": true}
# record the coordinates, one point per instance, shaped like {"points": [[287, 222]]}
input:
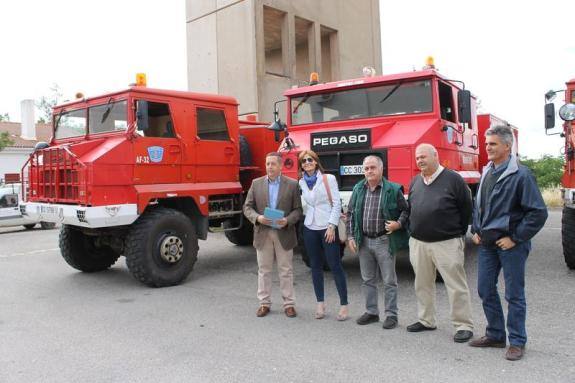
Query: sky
{"points": [[508, 53]]}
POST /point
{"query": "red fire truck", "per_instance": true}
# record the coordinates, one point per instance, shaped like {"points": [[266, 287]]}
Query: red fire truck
{"points": [[567, 114], [386, 116], [145, 173]]}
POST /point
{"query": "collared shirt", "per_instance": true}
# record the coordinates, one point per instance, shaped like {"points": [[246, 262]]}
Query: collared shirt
{"points": [[273, 191], [373, 221], [429, 180]]}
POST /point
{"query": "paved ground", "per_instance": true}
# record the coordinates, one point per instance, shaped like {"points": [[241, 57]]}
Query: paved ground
{"points": [[60, 325]]}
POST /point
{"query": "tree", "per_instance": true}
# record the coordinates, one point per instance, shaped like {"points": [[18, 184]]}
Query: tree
{"points": [[46, 103], [547, 170], [5, 140], [4, 117]]}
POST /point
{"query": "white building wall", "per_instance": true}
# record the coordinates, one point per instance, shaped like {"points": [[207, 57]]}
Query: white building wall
{"points": [[12, 160]]}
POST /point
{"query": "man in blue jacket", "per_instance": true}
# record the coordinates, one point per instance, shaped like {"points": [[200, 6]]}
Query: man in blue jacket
{"points": [[508, 212]]}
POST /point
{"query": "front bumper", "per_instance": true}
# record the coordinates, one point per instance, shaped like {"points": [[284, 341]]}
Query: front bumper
{"points": [[84, 216]]}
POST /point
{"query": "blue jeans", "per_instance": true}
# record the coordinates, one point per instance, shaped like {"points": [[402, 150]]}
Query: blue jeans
{"points": [[318, 250], [490, 262]]}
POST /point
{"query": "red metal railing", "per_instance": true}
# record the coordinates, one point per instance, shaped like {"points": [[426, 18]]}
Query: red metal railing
{"points": [[55, 175]]}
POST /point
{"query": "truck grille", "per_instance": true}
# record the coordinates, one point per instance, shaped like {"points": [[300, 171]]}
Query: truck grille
{"points": [[56, 175], [333, 162]]}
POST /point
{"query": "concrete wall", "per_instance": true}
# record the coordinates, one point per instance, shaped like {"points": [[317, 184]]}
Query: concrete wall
{"points": [[227, 45]]}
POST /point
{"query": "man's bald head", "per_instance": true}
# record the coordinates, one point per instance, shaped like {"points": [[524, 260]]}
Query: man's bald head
{"points": [[426, 158]]}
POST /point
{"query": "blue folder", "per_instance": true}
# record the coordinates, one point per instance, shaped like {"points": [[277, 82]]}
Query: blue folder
{"points": [[274, 215]]}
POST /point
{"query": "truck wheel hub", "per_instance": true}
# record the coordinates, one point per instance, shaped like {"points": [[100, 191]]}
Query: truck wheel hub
{"points": [[171, 249]]}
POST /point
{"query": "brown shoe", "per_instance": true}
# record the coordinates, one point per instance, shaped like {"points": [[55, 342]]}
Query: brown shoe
{"points": [[487, 342], [514, 353], [263, 311], [290, 312]]}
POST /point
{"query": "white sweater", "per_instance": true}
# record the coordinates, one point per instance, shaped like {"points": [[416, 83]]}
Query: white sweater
{"points": [[319, 212]]}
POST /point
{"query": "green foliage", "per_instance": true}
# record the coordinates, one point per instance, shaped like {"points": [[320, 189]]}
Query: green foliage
{"points": [[547, 170], [4, 117], [5, 140], [46, 103]]}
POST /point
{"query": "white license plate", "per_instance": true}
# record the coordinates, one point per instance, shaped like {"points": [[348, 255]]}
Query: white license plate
{"points": [[50, 211], [351, 170]]}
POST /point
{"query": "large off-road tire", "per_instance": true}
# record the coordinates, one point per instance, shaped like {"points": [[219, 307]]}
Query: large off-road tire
{"points": [[47, 225], [161, 247], [82, 253], [568, 236], [244, 236], [29, 226]]}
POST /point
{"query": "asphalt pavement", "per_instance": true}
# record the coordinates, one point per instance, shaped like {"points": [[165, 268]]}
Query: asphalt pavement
{"points": [[61, 325]]}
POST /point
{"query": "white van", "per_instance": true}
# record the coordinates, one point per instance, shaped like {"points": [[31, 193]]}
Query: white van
{"points": [[10, 211]]}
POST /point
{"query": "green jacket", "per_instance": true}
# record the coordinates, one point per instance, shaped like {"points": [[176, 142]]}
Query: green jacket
{"points": [[399, 239]]}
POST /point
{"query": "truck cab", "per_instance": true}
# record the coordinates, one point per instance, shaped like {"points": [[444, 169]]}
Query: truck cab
{"points": [[387, 116]]}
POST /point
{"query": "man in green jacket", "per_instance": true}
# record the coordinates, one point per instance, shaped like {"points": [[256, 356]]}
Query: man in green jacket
{"points": [[376, 220]]}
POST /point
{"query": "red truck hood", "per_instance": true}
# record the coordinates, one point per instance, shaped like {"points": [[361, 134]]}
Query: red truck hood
{"points": [[383, 134]]}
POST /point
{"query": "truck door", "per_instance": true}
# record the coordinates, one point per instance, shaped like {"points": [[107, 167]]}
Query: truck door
{"points": [[217, 157], [158, 150]]}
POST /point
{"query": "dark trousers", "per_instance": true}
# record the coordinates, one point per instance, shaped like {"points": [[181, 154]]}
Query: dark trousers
{"points": [[319, 250], [490, 262]]}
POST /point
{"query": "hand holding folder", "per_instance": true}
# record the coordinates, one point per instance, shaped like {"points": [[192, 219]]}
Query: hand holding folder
{"points": [[274, 215]]}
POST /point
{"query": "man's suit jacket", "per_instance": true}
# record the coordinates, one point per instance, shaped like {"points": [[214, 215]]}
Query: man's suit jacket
{"points": [[288, 201]]}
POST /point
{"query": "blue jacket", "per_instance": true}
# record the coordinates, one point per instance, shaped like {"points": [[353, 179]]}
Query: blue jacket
{"points": [[515, 207]]}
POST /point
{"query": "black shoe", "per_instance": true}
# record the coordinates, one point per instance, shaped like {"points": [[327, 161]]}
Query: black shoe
{"points": [[367, 318], [390, 322], [462, 336], [418, 327]]}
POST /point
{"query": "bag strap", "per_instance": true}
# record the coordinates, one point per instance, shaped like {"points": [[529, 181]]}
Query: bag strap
{"points": [[326, 184]]}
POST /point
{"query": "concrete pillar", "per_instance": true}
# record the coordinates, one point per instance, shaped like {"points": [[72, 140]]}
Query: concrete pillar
{"points": [[28, 124]]}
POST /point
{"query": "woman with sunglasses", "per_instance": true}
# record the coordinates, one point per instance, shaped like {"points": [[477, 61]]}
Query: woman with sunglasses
{"points": [[320, 229]]}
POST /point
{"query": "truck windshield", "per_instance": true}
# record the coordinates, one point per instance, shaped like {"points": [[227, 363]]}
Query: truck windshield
{"points": [[383, 100], [111, 117]]}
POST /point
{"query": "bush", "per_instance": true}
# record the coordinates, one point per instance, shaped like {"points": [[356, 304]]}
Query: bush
{"points": [[548, 170]]}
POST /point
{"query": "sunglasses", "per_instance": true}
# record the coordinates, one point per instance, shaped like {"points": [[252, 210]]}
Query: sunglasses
{"points": [[308, 160]]}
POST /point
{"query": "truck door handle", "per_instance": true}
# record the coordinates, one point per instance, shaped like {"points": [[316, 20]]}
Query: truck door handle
{"points": [[229, 151], [175, 149]]}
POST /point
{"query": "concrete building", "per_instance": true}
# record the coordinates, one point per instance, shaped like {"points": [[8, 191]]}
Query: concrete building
{"points": [[24, 136], [256, 49]]}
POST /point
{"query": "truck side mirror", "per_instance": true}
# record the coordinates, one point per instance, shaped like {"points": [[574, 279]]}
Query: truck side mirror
{"points": [[549, 116], [142, 120], [464, 106]]}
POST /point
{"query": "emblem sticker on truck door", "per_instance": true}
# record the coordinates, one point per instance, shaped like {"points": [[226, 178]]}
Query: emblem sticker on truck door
{"points": [[156, 153]]}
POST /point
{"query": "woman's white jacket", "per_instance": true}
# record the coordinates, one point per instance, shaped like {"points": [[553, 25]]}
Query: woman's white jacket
{"points": [[319, 212]]}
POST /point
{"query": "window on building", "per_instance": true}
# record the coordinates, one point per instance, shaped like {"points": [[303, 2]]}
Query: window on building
{"points": [[212, 125], [303, 51], [328, 54], [275, 40]]}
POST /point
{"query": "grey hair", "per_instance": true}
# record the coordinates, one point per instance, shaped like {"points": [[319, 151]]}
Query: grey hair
{"points": [[503, 132], [376, 158], [429, 147]]}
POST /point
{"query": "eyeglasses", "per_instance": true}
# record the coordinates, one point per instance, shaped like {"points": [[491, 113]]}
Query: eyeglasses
{"points": [[307, 159]]}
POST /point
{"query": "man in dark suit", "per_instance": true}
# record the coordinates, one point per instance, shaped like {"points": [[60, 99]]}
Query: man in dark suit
{"points": [[277, 192]]}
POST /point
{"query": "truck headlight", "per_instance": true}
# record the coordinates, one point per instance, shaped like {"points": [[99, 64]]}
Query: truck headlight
{"points": [[567, 112]]}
